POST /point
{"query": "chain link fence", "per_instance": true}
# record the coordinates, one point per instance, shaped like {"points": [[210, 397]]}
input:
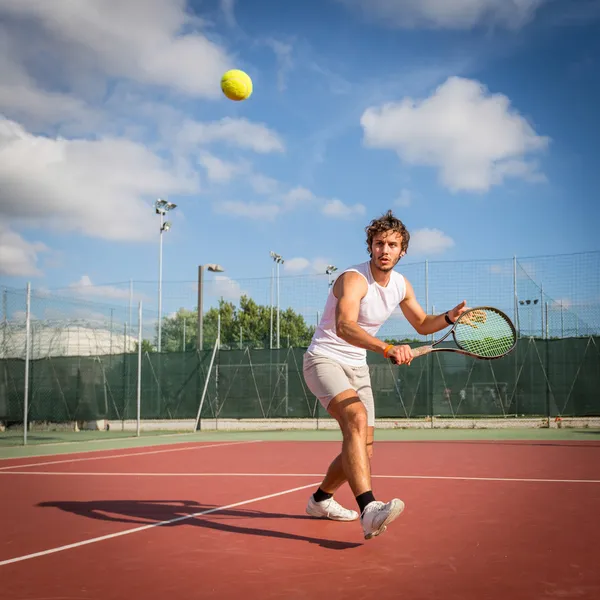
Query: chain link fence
{"points": [[70, 363]]}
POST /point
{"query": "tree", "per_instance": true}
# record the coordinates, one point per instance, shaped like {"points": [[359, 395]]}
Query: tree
{"points": [[180, 332], [247, 325], [146, 346]]}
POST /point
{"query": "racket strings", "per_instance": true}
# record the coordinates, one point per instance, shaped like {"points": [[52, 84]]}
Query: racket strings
{"points": [[485, 333]]}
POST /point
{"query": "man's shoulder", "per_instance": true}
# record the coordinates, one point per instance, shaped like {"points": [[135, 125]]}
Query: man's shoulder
{"points": [[398, 276]]}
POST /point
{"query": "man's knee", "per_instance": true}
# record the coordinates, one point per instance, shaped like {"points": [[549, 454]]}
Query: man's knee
{"points": [[354, 420], [353, 417], [370, 449]]}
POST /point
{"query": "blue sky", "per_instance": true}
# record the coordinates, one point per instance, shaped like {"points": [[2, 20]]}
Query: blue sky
{"points": [[475, 121]]}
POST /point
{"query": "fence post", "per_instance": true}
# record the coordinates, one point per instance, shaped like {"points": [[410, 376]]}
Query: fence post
{"points": [[139, 371], [27, 356], [427, 289], [516, 297]]}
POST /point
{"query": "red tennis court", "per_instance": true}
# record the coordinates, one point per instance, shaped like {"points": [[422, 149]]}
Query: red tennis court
{"points": [[487, 520]]}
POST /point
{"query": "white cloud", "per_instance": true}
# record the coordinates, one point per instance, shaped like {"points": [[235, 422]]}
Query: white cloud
{"points": [[320, 264], [228, 10], [294, 199], [404, 200], [429, 241], [239, 133], [262, 184], [297, 196], [296, 265], [336, 208], [23, 99], [250, 210], [301, 264], [95, 187], [500, 269], [471, 136], [224, 287], [85, 287], [18, 257], [450, 14], [221, 170], [283, 53], [154, 42]]}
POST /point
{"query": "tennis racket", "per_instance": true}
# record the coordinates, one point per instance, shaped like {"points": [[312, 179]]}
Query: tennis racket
{"points": [[483, 332]]}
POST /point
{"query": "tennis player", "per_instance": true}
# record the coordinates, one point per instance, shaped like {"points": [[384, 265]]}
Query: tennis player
{"points": [[336, 371]]}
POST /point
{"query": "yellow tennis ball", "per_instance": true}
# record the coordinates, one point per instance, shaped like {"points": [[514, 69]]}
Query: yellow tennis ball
{"points": [[236, 85]]}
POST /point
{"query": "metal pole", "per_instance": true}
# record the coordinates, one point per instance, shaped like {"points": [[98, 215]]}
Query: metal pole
{"points": [[542, 307], [427, 290], [562, 324], [184, 332], [278, 344], [27, 355], [130, 304], [212, 360], [547, 329], [515, 296], [426, 286], [271, 327], [139, 373], [200, 344], [160, 283]]}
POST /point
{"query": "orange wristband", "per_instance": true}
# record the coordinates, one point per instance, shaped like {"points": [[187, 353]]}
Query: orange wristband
{"points": [[386, 350]]}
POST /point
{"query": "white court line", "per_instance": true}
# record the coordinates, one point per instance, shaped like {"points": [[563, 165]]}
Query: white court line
{"points": [[89, 442], [442, 477], [72, 460], [150, 526], [125, 438]]}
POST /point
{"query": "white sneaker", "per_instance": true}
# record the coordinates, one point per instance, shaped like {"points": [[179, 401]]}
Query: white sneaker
{"points": [[377, 516], [330, 509]]}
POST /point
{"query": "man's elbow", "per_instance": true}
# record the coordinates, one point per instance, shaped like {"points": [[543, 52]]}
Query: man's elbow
{"points": [[420, 328], [343, 328]]}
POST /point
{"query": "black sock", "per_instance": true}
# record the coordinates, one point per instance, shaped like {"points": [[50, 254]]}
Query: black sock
{"points": [[364, 499], [320, 495]]}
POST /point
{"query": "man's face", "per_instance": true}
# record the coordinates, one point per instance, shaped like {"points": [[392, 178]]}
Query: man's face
{"points": [[385, 250]]}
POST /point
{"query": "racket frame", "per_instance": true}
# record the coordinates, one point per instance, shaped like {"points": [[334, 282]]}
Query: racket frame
{"points": [[427, 349]]}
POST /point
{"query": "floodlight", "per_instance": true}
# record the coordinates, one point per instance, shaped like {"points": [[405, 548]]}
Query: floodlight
{"points": [[215, 268]]}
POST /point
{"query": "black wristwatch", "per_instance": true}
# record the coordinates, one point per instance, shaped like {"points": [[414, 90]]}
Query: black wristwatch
{"points": [[448, 319]]}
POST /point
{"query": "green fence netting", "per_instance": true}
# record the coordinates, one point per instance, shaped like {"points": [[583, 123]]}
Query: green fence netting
{"points": [[539, 378]]}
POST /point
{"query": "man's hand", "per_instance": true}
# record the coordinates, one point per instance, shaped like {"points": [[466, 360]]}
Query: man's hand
{"points": [[477, 316], [458, 310], [401, 355]]}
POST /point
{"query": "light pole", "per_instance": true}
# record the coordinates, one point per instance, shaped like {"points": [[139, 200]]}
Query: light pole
{"points": [[279, 260], [214, 269], [162, 207], [329, 270], [527, 303]]}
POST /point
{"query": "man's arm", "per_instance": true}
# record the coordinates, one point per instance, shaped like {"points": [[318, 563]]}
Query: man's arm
{"points": [[350, 288], [423, 323]]}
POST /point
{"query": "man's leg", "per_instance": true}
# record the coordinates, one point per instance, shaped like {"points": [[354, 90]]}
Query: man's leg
{"points": [[353, 463], [351, 414], [336, 476]]}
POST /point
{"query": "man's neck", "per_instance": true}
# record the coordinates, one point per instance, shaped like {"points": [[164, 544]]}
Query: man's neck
{"points": [[381, 277]]}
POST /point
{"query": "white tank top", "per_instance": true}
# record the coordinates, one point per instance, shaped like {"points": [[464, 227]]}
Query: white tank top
{"points": [[375, 308]]}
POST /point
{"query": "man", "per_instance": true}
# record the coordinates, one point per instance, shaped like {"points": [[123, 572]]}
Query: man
{"points": [[336, 370]]}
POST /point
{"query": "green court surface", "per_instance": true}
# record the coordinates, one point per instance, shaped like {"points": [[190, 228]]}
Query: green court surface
{"points": [[68, 442]]}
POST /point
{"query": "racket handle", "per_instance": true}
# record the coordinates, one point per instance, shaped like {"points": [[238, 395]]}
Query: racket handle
{"points": [[416, 352], [421, 350]]}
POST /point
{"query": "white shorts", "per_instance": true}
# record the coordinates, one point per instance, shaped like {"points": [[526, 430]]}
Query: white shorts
{"points": [[326, 378]]}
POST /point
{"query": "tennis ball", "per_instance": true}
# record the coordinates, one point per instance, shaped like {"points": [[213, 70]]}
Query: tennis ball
{"points": [[236, 85]]}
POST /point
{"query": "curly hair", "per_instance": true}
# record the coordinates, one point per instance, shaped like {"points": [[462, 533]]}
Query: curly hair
{"points": [[386, 223]]}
